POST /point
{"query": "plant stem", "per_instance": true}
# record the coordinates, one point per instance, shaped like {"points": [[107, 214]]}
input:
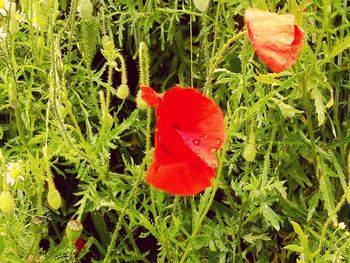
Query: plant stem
{"points": [[218, 58], [317, 253]]}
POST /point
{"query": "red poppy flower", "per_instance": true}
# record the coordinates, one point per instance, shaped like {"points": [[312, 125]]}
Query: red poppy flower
{"points": [[79, 245], [189, 131], [276, 38]]}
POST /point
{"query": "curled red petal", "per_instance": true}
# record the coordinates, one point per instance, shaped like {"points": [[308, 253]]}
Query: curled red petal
{"points": [[276, 39], [151, 97], [190, 130]]}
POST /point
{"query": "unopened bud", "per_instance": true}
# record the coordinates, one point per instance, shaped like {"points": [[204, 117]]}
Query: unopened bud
{"points": [[122, 91], [73, 230], [141, 104], [53, 196], [37, 224], [250, 148]]}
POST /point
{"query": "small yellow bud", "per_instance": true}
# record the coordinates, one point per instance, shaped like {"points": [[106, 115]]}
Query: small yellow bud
{"points": [[54, 197], [7, 204], [122, 91], [141, 104]]}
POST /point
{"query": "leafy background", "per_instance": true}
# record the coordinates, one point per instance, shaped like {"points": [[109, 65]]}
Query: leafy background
{"points": [[283, 178]]}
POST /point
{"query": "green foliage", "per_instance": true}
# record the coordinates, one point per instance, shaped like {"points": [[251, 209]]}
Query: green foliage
{"points": [[62, 121]]}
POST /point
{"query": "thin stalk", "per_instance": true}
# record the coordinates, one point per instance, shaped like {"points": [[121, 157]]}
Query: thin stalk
{"points": [[133, 190], [191, 43], [240, 219], [218, 58], [317, 253], [216, 182], [309, 117]]}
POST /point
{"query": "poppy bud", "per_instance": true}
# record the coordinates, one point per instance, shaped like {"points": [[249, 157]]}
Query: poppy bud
{"points": [[122, 91], [141, 104], [73, 230], [250, 149], [202, 5], [7, 203], [37, 224], [53, 196]]}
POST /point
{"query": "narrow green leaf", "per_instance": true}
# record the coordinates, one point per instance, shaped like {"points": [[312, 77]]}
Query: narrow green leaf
{"points": [[294, 248], [271, 217]]}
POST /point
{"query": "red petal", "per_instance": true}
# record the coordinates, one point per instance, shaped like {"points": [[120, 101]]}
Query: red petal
{"points": [[190, 129], [150, 96], [275, 38], [198, 120], [175, 168]]}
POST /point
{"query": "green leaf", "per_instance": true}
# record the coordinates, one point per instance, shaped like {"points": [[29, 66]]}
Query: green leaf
{"points": [[2, 244], [303, 238], [101, 227], [294, 248], [326, 189], [88, 39], [313, 204], [250, 238], [338, 48], [316, 95], [271, 217]]}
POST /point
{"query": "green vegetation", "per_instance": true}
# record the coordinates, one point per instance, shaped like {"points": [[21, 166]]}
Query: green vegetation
{"points": [[72, 148]]}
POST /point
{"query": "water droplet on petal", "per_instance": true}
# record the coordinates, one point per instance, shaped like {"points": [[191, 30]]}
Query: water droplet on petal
{"points": [[196, 142], [213, 149], [197, 152], [218, 141], [213, 165], [205, 136]]}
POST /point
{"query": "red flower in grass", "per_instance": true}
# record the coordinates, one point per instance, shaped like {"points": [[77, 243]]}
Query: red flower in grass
{"points": [[276, 38], [190, 130]]}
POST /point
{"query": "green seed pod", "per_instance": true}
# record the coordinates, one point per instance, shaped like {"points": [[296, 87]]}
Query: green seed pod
{"points": [[122, 91], [141, 104], [7, 204], [37, 224], [73, 230], [53, 196]]}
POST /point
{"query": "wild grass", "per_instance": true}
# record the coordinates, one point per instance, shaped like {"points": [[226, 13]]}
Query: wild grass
{"points": [[61, 119]]}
